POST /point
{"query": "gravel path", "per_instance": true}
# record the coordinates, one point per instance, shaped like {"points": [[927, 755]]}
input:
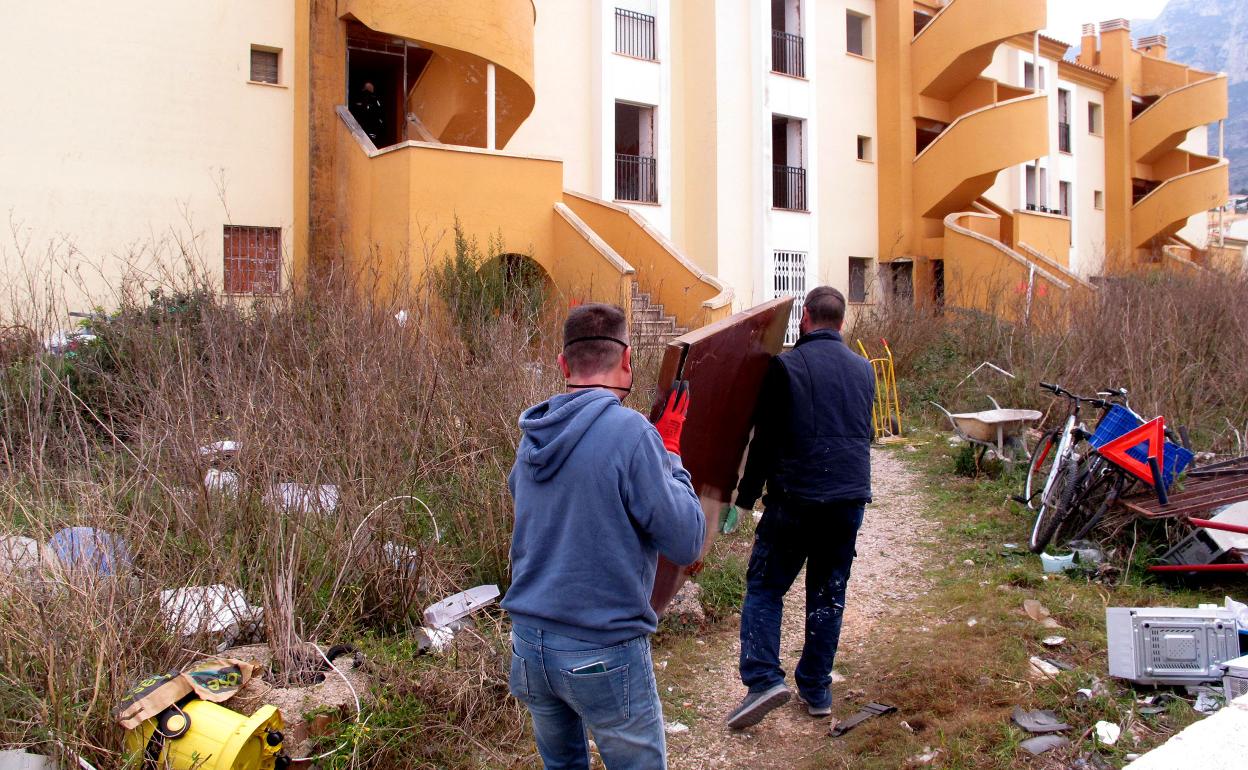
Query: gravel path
{"points": [[884, 579]]}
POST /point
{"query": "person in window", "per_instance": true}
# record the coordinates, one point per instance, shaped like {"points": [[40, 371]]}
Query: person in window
{"points": [[812, 450], [368, 111]]}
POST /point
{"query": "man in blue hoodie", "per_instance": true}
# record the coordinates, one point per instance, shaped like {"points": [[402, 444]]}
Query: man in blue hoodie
{"points": [[599, 494]]}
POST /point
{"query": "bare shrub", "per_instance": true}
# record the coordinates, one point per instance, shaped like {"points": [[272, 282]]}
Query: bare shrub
{"points": [[413, 422], [1177, 342]]}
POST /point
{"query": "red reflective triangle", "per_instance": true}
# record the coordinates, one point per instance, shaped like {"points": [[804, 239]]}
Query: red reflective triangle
{"points": [[1154, 432]]}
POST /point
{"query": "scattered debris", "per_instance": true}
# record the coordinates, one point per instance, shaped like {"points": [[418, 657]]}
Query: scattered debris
{"points": [[972, 622], [1053, 641], [459, 605], [216, 609], [1235, 682], [19, 759], [219, 450], [401, 318], [928, 756], [868, 711], [906, 726], [675, 728], [21, 555], [1043, 668], [1088, 555], [292, 497], [1038, 721], [91, 550], [1054, 564], [1107, 733], [1039, 613], [969, 562], [62, 342], [837, 677], [222, 482], [1170, 645], [1207, 703], [1042, 743]]}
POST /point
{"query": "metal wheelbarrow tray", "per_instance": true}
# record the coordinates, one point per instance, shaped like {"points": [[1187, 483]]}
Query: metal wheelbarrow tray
{"points": [[998, 429]]}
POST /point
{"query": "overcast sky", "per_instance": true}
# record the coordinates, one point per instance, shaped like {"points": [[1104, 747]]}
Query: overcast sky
{"points": [[1067, 17]]}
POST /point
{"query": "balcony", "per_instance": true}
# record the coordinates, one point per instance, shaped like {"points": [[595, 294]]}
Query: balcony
{"points": [[636, 179], [464, 39], [788, 53], [963, 161], [1165, 209], [634, 34], [958, 43], [1164, 125], [788, 188]]}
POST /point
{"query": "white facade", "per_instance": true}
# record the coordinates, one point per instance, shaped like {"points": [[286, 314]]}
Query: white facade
{"points": [[132, 138]]}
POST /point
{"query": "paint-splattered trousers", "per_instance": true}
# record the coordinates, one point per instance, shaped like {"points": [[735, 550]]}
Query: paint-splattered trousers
{"points": [[822, 538]]}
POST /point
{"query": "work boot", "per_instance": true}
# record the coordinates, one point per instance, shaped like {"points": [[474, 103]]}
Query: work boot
{"points": [[819, 712], [757, 705]]}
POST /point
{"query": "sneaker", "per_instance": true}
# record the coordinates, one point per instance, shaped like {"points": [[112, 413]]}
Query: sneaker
{"points": [[757, 705], [815, 711]]}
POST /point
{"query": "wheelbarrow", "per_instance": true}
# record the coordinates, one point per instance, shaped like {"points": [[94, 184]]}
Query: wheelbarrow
{"points": [[997, 429]]}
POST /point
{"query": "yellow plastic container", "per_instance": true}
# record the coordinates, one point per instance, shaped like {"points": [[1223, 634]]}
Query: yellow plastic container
{"points": [[218, 739]]}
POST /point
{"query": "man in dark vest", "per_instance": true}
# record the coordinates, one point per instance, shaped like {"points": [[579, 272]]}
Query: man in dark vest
{"points": [[812, 450]]}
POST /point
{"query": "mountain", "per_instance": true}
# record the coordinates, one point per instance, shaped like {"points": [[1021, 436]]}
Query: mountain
{"points": [[1212, 35]]}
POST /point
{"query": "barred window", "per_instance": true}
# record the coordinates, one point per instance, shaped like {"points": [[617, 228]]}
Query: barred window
{"points": [[789, 280], [253, 260]]}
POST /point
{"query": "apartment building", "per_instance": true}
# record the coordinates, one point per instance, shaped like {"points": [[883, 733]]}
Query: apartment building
{"points": [[743, 131], [714, 153]]}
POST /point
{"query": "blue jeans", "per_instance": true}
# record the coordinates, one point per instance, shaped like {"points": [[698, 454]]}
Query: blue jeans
{"points": [[619, 705], [789, 535]]}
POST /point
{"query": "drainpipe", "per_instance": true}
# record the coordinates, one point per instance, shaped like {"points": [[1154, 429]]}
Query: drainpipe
{"points": [[1035, 80], [490, 117], [1222, 208]]}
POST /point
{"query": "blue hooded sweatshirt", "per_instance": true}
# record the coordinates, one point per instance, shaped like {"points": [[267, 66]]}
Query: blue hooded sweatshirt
{"points": [[598, 499]]}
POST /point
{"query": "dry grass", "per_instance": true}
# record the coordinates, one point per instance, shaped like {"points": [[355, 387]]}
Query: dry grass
{"points": [[1178, 343], [322, 388]]}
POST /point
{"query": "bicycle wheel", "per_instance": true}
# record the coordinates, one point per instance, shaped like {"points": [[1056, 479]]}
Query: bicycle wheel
{"points": [[1055, 505], [1096, 489], [1042, 456]]}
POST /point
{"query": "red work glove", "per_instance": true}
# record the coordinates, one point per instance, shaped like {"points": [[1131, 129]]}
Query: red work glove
{"points": [[672, 420]]}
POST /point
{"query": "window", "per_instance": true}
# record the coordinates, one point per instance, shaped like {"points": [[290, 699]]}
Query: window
{"points": [[859, 269], [264, 65], [864, 148], [1029, 76], [788, 47], [858, 34], [1098, 199], [1037, 189], [636, 170], [788, 156], [789, 280], [1063, 198], [253, 260], [634, 34], [1063, 120], [1094, 118]]}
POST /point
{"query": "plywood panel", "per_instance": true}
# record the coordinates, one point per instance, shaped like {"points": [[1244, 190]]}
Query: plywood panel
{"points": [[724, 363]]}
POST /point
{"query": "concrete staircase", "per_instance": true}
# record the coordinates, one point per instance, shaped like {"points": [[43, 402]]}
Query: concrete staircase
{"points": [[652, 327]]}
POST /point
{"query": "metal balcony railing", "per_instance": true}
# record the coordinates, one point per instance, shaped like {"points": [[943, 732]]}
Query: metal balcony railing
{"points": [[1063, 137], [788, 53], [636, 178], [788, 188], [634, 34]]}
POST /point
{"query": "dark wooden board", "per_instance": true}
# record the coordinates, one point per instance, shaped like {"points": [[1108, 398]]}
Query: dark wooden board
{"points": [[1203, 490], [724, 363]]}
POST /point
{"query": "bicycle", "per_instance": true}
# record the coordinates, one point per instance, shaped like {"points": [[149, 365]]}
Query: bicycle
{"points": [[1056, 461]]}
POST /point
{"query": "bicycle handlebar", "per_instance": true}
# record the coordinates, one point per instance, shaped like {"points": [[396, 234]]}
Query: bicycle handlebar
{"points": [[1099, 403]]}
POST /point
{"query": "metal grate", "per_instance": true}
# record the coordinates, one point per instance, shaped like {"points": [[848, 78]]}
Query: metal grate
{"points": [[1174, 648], [635, 178], [788, 270], [634, 34], [788, 53], [253, 260]]}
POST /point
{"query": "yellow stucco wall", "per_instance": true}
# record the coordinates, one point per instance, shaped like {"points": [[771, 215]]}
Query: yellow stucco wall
{"points": [[136, 136], [1047, 233]]}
